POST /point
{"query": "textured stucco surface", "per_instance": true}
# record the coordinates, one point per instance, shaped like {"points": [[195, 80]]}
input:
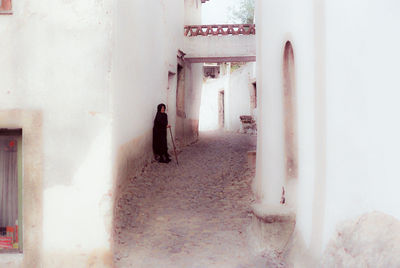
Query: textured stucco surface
{"points": [[220, 46], [55, 71], [144, 74], [347, 142]]}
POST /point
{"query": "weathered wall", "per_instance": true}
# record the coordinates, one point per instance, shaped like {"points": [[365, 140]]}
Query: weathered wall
{"points": [[347, 142], [143, 58], [209, 103], [236, 87], [192, 12], [279, 22], [90, 86], [144, 74], [193, 87], [143, 55], [238, 96], [186, 131], [55, 69], [361, 108], [220, 46]]}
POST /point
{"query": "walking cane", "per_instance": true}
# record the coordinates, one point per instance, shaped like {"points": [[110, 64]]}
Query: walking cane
{"points": [[173, 143]]}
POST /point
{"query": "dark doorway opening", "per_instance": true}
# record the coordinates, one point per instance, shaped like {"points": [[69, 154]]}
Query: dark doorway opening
{"points": [[221, 109], [180, 105]]}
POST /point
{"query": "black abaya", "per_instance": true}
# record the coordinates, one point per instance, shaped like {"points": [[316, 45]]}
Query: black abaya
{"points": [[160, 147]]}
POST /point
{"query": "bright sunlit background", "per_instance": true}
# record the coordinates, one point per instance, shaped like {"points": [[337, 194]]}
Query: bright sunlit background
{"points": [[216, 11]]}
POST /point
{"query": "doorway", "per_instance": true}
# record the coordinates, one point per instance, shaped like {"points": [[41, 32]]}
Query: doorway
{"points": [[253, 96], [221, 109], [180, 105]]}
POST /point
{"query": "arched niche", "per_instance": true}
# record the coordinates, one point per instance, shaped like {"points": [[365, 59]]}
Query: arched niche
{"points": [[290, 113]]}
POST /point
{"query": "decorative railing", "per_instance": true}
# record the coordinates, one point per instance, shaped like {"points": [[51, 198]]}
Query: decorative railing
{"points": [[223, 29]]}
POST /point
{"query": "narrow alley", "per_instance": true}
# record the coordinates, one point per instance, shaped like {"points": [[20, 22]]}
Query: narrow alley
{"points": [[192, 215]]}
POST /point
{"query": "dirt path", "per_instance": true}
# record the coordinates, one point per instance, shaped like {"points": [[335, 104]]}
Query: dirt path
{"points": [[194, 215]]}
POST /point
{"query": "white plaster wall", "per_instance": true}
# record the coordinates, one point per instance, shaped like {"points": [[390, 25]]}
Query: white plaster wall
{"points": [[56, 59], [194, 75], [362, 110], [52, 62], [269, 173], [72, 62], [209, 103], [277, 23], [236, 94], [143, 55], [307, 63], [192, 12], [346, 84], [194, 83], [239, 96], [220, 46]]}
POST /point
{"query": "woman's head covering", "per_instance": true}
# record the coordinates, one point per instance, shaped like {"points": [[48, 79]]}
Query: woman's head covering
{"points": [[160, 106]]}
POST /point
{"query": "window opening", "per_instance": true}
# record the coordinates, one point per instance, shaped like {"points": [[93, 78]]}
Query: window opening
{"points": [[180, 105], [180, 93], [5, 7], [10, 190]]}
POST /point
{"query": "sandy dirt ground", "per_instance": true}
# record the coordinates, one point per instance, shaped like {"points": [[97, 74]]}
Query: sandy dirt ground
{"points": [[196, 214]]}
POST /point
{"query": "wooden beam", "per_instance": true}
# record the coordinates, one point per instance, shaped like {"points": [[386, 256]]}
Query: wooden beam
{"points": [[10, 132], [220, 59]]}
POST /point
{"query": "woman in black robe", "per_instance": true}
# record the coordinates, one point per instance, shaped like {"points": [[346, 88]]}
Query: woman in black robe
{"points": [[160, 147]]}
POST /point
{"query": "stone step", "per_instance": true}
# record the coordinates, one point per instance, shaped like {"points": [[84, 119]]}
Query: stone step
{"points": [[273, 213], [272, 228]]}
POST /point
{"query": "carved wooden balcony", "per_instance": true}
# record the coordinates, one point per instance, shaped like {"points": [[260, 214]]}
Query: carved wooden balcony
{"points": [[223, 29]]}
